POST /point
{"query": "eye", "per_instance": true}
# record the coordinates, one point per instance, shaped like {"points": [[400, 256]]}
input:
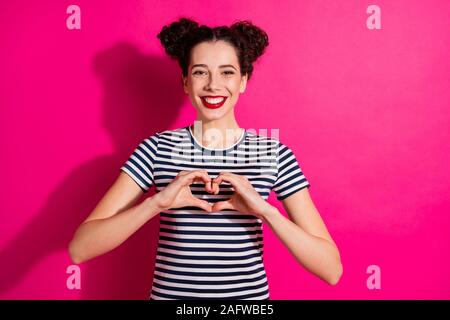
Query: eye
{"points": [[197, 72], [229, 72]]}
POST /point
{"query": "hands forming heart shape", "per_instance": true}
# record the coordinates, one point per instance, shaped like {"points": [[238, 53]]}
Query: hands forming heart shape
{"points": [[245, 198]]}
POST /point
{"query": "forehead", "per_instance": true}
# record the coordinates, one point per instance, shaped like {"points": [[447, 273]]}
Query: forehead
{"points": [[214, 54]]}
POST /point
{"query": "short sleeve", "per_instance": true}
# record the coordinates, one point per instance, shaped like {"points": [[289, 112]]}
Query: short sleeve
{"points": [[290, 177], [140, 164]]}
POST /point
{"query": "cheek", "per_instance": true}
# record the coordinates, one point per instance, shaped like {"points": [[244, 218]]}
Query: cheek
{"points": [[196, 86], [231, 84], [234, 88]]}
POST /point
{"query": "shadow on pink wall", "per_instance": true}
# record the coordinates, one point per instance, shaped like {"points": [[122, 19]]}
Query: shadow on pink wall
{"points": [[139, 99]]}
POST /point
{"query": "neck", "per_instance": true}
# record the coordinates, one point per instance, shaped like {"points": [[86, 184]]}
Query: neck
{"points": [[219, 133]]}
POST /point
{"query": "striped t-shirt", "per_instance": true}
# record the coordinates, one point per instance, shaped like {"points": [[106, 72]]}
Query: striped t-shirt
{"points": [[212, 255]]}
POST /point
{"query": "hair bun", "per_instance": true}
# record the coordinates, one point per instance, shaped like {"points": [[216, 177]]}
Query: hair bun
{"points": [[175, 36], [253, 40]]}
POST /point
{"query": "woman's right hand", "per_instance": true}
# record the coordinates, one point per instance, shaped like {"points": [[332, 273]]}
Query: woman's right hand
{"points": [[178, 194]]}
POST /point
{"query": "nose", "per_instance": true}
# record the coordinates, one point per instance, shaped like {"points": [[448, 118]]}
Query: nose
{"points": [[213, 82]]}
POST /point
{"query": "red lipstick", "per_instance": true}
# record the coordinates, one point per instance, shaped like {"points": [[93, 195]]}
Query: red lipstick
{"points": [[213, 105]]}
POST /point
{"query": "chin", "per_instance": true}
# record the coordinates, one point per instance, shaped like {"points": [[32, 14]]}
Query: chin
{"points": [[207, 117], [212, 114]]}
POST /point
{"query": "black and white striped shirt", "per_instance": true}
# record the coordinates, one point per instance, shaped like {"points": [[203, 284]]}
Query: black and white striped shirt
{"points": [[217, 255]]}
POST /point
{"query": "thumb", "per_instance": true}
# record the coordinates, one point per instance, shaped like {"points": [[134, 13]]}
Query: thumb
{"points": [[221, 205]]}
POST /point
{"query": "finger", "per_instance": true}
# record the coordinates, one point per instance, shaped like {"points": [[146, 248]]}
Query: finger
{"points": [[199, 175], [179, 178], [202, 204], [235, 176], [234, 181], [221, 205], [215, 187], [207, 184]]}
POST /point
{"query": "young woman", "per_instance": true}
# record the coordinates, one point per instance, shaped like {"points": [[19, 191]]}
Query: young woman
{"points": [[212, 181]]}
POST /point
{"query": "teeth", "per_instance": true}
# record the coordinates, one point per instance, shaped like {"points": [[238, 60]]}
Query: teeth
{"points": [[214, 101]]}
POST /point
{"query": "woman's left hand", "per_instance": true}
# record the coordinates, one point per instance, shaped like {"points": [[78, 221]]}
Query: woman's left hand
{"points": [[245, 198]]}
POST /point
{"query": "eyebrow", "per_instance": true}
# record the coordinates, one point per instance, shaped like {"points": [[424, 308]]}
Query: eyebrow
{"points": [[222, 66]]}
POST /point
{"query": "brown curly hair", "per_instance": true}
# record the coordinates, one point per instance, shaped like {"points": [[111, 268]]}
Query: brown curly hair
{"points": [[181, 36]]}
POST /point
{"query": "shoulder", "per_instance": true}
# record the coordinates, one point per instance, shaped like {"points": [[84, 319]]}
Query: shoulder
{"points": [[170, 134]]}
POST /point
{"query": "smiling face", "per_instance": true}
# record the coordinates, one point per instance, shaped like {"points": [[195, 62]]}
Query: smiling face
{"points": [[214, 80]]}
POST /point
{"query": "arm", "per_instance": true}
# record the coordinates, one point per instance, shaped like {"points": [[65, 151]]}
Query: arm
{"points": [[112, 221], [306, 236]]}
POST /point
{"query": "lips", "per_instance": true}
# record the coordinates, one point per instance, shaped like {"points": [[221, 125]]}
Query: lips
{"points": [[213, 105]]}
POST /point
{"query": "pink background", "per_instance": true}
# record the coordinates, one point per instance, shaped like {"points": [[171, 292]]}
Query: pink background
{"points": [[365, 111]]}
